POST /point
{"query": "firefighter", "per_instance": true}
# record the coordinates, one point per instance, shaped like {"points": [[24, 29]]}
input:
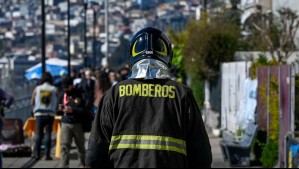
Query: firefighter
{"points": [[149, 121]]}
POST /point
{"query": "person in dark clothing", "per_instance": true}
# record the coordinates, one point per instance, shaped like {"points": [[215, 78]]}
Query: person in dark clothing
{"points": [[87, 87], [149, 121], [103, 84], [124, 73], [6, 100], [72, 109]]}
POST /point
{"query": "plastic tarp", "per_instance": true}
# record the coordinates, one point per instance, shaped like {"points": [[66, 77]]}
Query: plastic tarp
{"points": [[55, 66], [248, 103]]}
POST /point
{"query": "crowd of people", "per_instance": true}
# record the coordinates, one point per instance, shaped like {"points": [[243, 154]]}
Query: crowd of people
{"points": [[75, 98]]}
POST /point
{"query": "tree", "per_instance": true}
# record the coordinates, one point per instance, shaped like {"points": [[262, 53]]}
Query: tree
{"points": [[278, 34], [179, 40], [233, 14], [209, 44]]}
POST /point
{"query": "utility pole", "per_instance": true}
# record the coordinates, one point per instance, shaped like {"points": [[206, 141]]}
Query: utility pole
{"points": [[85, 32], [205, 5], [94, 37], [95, 6], [43, 37], [107, 27], [69, 37]]}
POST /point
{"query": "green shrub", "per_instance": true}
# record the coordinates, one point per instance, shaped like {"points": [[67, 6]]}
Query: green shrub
{"points": [[208, 46], [270, 154], [198, 89]]}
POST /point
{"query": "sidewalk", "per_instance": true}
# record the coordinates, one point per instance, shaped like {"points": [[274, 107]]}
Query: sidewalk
{"points": [[74, 163], [21, 162], [218, 161], [74, 159], [14, 162]]}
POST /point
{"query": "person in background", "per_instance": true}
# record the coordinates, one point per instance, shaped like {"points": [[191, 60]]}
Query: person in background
{"points": [[74, 74], [45, 101], [58, 81], [124, 73], [87, 87], [113, 78], [103, 84], [72, 109], [76, 78], [6, 100]]}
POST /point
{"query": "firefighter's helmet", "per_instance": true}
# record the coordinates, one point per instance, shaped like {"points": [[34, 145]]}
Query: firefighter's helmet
{"points": [[150, 43]]}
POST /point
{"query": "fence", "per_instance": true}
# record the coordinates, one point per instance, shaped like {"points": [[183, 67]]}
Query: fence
{"points": [[233, 78], [285, 78], [21, 109]]}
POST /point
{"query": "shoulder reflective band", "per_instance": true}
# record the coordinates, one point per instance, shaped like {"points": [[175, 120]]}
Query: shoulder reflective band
{"points": [[145, 142]]}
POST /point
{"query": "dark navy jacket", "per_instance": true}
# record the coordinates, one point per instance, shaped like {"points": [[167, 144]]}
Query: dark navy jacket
{"points": [[149, 124]]}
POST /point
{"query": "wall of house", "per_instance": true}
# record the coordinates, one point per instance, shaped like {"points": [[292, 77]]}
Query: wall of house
{"points": [[266, 4], [249, 56]]}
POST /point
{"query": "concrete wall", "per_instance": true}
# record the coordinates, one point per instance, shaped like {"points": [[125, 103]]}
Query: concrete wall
{"points": [[266, 4], [249, 56]]}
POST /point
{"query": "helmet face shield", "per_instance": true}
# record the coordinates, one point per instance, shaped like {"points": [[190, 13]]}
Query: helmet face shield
{"points": [[150, 43]]}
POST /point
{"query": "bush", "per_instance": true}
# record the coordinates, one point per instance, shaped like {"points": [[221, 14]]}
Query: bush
{"points": [[209, 45], [270, 154], [198, 89], [259, 145]]}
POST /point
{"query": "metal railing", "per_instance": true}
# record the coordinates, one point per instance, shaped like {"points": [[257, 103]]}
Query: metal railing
{"points": [[21, 108]]}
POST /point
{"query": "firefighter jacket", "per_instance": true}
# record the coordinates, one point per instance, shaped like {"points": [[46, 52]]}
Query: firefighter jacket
{"points": [[149, 124]]}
